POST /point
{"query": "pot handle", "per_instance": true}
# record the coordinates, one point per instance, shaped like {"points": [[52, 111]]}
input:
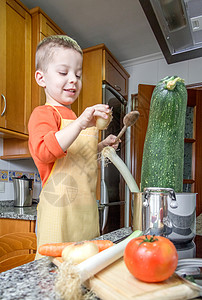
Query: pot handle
{"points": [[173, 203], [146, 197]]}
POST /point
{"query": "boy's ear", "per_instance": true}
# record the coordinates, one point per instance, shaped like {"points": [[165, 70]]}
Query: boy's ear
{"points": [[39, 76]]}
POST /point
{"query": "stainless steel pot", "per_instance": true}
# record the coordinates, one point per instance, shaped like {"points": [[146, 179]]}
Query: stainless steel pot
{"points": [[150, 210], [183, 218], [165, 212], [23, 191]]}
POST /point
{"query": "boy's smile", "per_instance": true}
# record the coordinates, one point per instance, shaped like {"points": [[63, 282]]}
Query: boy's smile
{"points": [[62, 80]]}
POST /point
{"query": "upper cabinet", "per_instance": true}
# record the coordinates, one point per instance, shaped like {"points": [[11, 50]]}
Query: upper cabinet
{"points": [[15, 62], [42, 26], [99, 65], [115, 74], [21, 31]]}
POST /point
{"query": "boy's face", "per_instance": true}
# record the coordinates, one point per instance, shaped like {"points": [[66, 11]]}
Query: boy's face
{"points": [[62, 80]]}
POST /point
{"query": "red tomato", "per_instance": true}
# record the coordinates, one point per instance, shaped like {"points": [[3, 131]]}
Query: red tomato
{"points": [[151, 258]]}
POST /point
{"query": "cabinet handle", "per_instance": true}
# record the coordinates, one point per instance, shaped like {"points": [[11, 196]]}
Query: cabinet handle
{"points": [[4, 98], [117, 87]]}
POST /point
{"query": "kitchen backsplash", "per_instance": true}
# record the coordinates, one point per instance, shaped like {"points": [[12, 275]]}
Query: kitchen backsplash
{"points": [[6, 183], [6, 175], [16, 168]]}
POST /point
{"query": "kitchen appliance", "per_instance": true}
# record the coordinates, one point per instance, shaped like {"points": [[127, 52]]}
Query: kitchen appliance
{"points": [[23, 191], [112, 197], [177, 26]]}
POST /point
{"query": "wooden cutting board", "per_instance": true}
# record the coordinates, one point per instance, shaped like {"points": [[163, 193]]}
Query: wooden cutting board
{"points": [[116, 283]]}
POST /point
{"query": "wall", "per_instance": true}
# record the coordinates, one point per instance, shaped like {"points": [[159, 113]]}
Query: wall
{"points": [[150, 69], [16, 168]]}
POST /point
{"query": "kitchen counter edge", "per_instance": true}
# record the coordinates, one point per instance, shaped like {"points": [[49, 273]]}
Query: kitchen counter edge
{"points": [[35, 280]]}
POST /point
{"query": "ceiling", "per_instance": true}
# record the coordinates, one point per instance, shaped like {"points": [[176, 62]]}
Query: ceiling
{"points": [[120, 25]]}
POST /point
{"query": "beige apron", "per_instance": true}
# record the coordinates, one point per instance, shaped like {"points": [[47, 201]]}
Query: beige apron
{"points": [[67, 209]]}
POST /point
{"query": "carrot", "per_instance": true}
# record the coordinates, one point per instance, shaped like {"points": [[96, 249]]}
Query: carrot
{"points": [[103, 244], [55, 249]]}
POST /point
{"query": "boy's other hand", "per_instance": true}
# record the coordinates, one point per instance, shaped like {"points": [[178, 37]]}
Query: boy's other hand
{"points": [[109, 141]]}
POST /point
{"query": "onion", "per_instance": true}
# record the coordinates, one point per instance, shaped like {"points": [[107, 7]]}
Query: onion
{"points": [[79, 252], [101, 123]]}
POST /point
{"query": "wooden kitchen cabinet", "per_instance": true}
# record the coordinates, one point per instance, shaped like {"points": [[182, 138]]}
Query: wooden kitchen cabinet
{"points": [[99, 65], [42, 26], [37, 25], [15, 77], [15, 61], [16, 225], [114, 74]]}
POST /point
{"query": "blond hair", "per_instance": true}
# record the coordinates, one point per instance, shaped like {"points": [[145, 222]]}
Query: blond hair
{"points": [[46, 49]]}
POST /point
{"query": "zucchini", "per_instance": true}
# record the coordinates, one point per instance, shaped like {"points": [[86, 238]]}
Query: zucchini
{"points": [[163, 154]]}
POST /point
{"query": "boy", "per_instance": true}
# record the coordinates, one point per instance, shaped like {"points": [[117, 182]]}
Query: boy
{"points": [[64, 147]]}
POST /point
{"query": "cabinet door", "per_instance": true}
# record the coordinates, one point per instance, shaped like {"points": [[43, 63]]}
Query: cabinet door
{"points": [[47, 29], [91, 93], [2, 61], [42, 26], [98, 66], [14, 225], [16, 73], [140, 102], [115, 75]]}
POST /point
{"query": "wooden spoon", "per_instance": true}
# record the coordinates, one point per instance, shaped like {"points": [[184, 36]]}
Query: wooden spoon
{"points": [[129, 120]]}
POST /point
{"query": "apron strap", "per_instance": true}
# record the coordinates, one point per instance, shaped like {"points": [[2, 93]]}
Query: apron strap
{"points": [[55, 109]]}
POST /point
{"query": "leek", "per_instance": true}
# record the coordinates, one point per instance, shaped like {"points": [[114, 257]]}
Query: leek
{"points": [[96, 263], [70, 277], [110, 153]]}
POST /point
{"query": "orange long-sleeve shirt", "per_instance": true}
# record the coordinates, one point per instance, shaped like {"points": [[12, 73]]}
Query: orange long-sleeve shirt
{"points": [[44, 122]]}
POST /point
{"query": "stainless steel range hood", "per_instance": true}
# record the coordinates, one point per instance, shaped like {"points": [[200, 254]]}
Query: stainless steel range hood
{"points": [[177, 25]]}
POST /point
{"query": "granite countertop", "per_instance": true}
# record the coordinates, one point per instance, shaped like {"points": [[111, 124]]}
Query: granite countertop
{"points": [[35, 280], [9, 211]]}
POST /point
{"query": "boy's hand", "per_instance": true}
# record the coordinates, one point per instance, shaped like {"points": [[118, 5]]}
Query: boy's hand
{"points": [[87, 118], [109, 141], [68, 134]]}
